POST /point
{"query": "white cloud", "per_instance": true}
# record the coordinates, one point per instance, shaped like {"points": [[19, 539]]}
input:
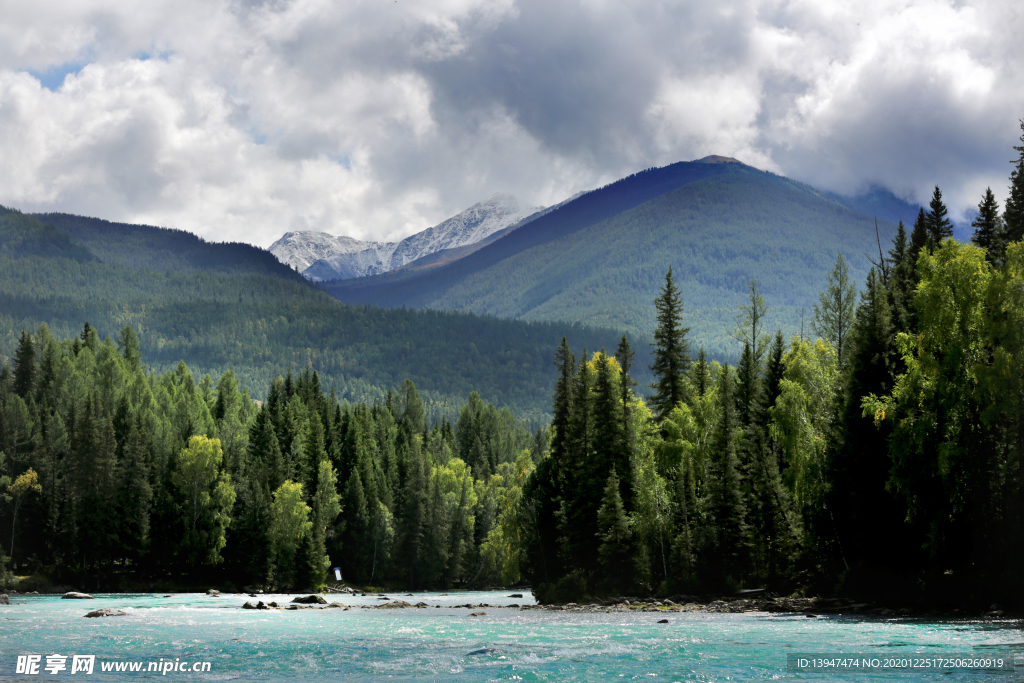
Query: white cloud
{"points": [[373, 118]]}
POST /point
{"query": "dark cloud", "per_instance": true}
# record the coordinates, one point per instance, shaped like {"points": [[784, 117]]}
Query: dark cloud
{"points": [[376, 119]]}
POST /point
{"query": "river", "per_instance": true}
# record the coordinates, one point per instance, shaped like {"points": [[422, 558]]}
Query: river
{"points": [[443, 642]]}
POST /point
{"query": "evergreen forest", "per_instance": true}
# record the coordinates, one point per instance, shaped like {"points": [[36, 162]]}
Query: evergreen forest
{"points": [[231, 307]]}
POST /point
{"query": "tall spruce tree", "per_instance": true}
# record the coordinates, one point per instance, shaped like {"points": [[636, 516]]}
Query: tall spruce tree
{"points": [[1013, 212], [901, 280], [939, 225], [671, 350], [919, 237], [862, 506], [615, 550], [562, 403], [988, 228], [730, 553], [700, 374], [24, 365], [624, 354]]}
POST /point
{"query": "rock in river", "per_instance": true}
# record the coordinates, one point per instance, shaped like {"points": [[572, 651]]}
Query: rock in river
{"points": [[76, 596], [107, 612], [310, 600]]}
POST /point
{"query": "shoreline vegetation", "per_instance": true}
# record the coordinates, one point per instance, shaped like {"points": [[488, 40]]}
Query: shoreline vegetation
{"points": [[724, 604], [876, 458]]}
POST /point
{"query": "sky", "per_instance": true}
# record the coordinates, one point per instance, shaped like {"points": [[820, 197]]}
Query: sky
{"points": [[375, 119]]}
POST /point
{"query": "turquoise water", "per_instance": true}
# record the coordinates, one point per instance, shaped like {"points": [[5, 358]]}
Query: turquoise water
{"points": [[442, 643]]}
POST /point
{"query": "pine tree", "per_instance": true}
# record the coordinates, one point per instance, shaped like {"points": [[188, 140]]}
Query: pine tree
{"points": [[919, 238], [730, 555], [610, 453], [128, 342], [747, 386], [624, 355], [773, 373], [581, 489], [1013, 212], [833, 314], [700, 374], [939, 225], [134, 495], [671, 350], [24, 365], [901, 280], [615, 551], [988, 228], [862, 507]]}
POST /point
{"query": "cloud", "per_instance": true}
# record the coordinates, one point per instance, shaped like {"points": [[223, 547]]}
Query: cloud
{"points": [[241, 120]]}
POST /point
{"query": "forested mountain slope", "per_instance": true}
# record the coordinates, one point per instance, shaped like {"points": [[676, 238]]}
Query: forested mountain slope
{"points": [[263, 326], [599, 259], [163, 249]]}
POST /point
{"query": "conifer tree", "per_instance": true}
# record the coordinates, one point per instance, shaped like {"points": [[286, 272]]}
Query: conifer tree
{"points": [[625, 355], [939, 225], [902, 279], [730, 554], [919, 238], [610, 452], [671, 350], [700, 375], [833, 314], [582, 482], [862, 506], [988, 228], [1013, 212], [747, 386], [134, 495], [774, 372], [94, 449], [615, 550], [24, 365]]}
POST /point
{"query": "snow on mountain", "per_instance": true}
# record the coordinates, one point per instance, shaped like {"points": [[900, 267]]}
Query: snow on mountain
{"points": [[320, 256], [469, 227], [302, 249]]}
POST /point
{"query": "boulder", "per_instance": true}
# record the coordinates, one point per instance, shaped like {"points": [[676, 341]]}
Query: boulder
{"points": [[106, 612], [516, 595], [248, 605], [213, 593], [310, 600], [335, 605], [397, 604], [260, 605], [76, 596], [4, 600], [478, 614], [663, 621]]}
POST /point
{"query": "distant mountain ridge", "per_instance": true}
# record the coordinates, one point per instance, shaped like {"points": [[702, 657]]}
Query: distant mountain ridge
{"points": [[600, 259], [320, 256]]}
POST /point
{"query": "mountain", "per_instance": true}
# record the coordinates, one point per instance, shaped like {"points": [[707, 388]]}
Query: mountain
{"points": [[302, 249], [320, 256], [218, 307], [163, 249], [600, 259]]}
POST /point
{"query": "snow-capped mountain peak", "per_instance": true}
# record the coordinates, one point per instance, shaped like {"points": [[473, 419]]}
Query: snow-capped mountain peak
{"points": [[320, 256]]}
